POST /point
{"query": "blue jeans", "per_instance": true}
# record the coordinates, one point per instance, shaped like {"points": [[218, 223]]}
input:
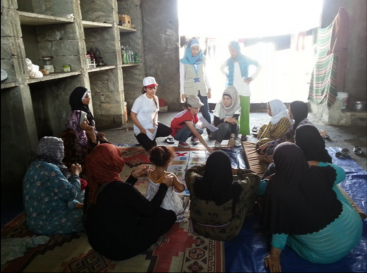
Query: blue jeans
{"points": [[184, 133], [205, 109]]}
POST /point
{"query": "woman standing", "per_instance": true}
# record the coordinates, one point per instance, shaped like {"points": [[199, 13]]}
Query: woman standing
{"points": [[226, 115], [219, 205], [120, 222], [144, 115], [193, 78], [302, 210], [238, 76]]}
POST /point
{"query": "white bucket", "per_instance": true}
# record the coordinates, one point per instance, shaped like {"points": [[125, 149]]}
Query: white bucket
{"points": [[343, 98]]}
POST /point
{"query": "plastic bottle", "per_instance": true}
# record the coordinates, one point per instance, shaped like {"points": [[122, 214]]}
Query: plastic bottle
{"points": [[123, 53], [131, 57], [136, 58], [92, 54], [127, 53]]}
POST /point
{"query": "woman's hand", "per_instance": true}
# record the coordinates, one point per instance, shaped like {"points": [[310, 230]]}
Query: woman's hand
{"points": [[151, 130], [143, 131], [209, 93], [183, 97], [273, 263], [231, 120], [140, 171], [231, 143], [248, 80], [313, 163], [76, 169], [263, 147], [168, 180]]}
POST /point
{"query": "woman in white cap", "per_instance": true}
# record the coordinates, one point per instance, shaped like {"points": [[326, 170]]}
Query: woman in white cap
{"points": [[183, 124], [144, 115], [193, 78]]}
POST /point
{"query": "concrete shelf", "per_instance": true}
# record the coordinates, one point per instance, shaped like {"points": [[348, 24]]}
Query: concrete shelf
{"points": [[9, 85], [53, 76], [100, 68], [127, 65], [89, 24], [126, 29], [34, 19]]}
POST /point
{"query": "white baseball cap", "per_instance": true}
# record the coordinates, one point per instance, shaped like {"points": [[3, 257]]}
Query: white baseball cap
{"points": [[149, 82]]}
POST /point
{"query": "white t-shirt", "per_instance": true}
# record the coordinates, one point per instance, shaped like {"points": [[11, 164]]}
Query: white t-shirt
{"points": [[145, 109]]}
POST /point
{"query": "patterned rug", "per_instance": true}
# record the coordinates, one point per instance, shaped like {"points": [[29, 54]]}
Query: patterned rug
{"points": [[176, 251]]}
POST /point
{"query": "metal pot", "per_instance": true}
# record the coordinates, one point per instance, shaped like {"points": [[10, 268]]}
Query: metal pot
{"points": [[358, 105]]}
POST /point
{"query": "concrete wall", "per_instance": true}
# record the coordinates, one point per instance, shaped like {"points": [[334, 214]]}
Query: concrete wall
{"points": [[133, 76], [161, 47], [356, 75]]}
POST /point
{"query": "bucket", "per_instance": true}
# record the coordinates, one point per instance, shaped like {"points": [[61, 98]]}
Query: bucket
{"points": [[343, 97], [126, 116]]}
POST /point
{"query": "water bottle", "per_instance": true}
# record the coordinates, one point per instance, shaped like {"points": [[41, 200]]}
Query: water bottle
{"points": [[123, 53], [136, 58], [127, 52], [131, 56]]}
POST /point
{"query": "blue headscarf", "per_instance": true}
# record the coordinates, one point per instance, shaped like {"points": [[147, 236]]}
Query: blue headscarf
{"points": [[242, 61], [188, 58]]}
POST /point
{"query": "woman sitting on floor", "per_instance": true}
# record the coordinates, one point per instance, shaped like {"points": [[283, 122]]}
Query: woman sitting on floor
{"points": [[144, 115], [120, 222], [214, 194], [226, 115], [50, 199], [183, 124], [161, 157], [274, 132], [310, 217]]}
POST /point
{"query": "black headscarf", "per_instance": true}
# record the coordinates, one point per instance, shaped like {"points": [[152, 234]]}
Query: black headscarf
{"points": [[312, 144], [299, 111], [75, 101], [299, 199], [217, 183]]}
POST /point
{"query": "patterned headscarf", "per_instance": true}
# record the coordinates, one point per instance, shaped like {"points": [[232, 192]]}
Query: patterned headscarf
{"points": [[73, 122], [227, 112], [51, 149], [104, 165], [188, 58], [278, 111], [76, 102]]}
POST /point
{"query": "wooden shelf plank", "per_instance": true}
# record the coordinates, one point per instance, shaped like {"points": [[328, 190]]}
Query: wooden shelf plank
{"points": [[100, 68], [9, 85], [126, 29], [127, 65], [34, 19], [90, 24], [53, 76]]}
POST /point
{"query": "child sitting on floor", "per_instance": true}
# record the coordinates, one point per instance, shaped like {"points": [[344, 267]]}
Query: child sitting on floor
{"points": [[161, 156]]}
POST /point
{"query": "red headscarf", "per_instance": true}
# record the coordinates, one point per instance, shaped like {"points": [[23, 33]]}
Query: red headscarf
{"points": [[104, 165]]}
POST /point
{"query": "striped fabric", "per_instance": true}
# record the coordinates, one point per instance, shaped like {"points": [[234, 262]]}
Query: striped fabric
{"points": [[323, 77]]}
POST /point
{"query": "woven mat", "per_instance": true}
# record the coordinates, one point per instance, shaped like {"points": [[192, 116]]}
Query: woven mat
{"points": [[251, 159], [176, 251]]}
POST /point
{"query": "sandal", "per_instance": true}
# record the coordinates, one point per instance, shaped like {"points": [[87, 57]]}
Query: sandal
{"points": [[169, 140], [254, 129], [243, 138]]}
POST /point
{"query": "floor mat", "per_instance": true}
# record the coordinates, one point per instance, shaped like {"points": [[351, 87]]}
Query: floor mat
{"points": [[247, 251], [176, 251]]}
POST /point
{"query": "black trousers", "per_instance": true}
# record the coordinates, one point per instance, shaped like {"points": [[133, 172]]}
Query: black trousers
{"points": [[162, 131]]}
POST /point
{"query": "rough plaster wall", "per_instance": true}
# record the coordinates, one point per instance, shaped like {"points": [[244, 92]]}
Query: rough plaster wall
{"points": [[160, 29], [356, 76], [97, 11], [133, 76]]}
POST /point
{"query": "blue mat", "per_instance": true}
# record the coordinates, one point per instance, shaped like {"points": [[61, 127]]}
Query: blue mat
{"points": [[247, 251]]}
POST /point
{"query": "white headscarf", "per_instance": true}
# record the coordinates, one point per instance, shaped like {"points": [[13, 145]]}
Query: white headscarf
{"points": [[278, 111], [228, 112]]}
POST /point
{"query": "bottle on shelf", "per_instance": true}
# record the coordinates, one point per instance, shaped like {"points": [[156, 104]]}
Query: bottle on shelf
{"points": [[97, 56], [136, 58], [127, 53], [131, 56], [123, 53]]}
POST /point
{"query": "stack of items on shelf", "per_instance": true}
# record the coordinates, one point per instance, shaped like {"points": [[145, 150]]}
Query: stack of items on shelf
{"points": [[33, 70], [94, 58], [128, 56]]}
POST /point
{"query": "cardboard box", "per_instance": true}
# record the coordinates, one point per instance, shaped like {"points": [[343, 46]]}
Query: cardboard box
{"points": [[125, 20]]}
